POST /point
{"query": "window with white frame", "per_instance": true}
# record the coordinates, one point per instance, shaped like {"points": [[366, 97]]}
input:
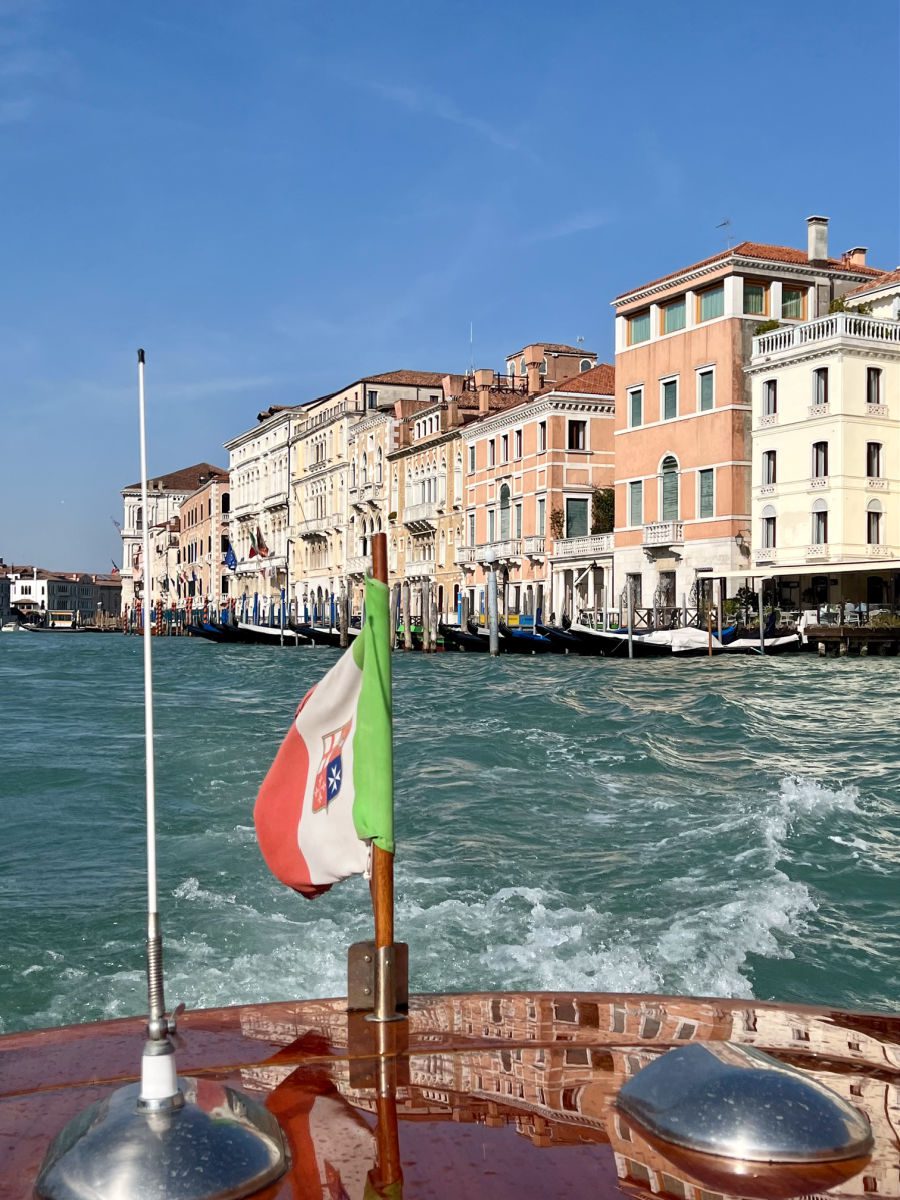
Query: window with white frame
{"points": [[635, 407], [639, 328], [873, 460], [706, 389], [873, 385], [755, 298], [517, 442], [768, 527], [576, 516], [636, 502], [471, 529], [492, 452], [504, 448], [706, 489], [672, 316], [668, 400], [577, 439], [491, 524], [820, 460], [518, 521], [542, 436], [770, 397], [541, 516], [820, 386], [472, 458], [819, 523], [669, 471], [793, 303], [585, 364], [873, 523], [769, 469]]}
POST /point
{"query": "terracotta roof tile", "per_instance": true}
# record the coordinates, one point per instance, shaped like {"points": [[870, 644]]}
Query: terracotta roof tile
{"points": [[410, 378], [762, 250], [598, 381], [186, 480], [884, 280]]}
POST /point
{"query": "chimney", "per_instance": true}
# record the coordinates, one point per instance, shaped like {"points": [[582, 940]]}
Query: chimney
{"points": [[534, 356], [816, 238], [857, 256], [484, 381]]}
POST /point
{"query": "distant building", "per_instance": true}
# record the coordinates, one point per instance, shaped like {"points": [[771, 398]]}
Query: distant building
{"points": [[165, 494], [204, 522], [38, 594], [4, 595]]}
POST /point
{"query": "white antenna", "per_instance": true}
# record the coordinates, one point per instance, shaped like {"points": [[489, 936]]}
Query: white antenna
{"points": [[471, 348], [158, 1138]]}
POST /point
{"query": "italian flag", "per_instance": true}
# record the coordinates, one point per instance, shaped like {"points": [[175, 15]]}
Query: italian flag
{"points": [[329, 793]]}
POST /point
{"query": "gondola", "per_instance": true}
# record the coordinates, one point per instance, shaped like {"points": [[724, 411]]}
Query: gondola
{"points": [[460, 639], [523, 641], [562, 641]]}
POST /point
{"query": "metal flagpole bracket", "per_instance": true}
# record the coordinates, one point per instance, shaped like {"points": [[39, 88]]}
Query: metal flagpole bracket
{"points": [[366, 968]]}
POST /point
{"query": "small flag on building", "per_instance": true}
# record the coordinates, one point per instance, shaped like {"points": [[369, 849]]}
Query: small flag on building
{"points": [[253, 550], [115, 569], [137, 565], [329, 793], [261, 548], [230, 558]]}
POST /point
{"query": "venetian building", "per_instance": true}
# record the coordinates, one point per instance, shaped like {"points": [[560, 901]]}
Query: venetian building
{"points": [[826, 453], [337, 503], [533, 472], [165, 494], [203, 543], [683, 407], [259, 498]]}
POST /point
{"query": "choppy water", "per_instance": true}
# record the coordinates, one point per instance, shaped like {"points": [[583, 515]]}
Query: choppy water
{"points": [[705, 827]]}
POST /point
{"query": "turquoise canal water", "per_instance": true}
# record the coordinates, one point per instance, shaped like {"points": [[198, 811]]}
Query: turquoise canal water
{"points": [[706, 827]]}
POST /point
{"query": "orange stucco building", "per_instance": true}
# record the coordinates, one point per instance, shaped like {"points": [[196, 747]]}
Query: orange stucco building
{"points": [[682, 436]]}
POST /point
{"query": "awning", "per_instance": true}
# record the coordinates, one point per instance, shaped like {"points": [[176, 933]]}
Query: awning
{"points": [[868, 567]]}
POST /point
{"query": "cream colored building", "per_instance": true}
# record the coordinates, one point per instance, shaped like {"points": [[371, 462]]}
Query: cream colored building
{"points": [[333, 514], [826, 452], [260, 476], [165, 495]]}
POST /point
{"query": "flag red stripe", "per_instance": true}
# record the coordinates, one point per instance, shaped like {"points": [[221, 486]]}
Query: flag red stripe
{"points": [[278, 808]]}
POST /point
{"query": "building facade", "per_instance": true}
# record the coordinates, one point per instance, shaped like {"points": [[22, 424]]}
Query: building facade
{"points": [[683, 406], [165, 494], [532, 471], [826, 452], [259, 472], [203, 542]]}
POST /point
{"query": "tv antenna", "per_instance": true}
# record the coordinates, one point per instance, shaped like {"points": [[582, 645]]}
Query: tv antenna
{"points": [[726, 224], [137, 1139]]}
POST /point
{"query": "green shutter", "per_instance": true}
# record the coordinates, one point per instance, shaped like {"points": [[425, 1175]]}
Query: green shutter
{"points": [[706, 390], [636, 503], [706, 494], [670, 400], [670, 496]]}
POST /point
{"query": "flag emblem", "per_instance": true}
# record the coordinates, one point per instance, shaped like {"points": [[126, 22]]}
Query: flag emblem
{"points": [[330, 774]]}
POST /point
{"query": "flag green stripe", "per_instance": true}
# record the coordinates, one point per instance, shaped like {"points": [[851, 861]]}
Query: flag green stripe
{"points": [[373, 765]]}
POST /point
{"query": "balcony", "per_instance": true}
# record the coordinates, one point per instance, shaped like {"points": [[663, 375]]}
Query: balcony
{"points": [[422, 569], [664, 533], [819, 551], [493, 552], [422, 517], [465, 556], [819, 481], [584, 547], [856, 329], [818, 410], [366, 493], [766, 489], [316, 526], [533, 546], [880, 552], [276, 500], [877, 410], [767, 420], [765, 554], [359, 564], [876, 484]]}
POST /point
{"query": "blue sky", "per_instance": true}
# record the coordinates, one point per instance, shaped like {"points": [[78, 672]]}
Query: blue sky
{"points": [[275, 197]]}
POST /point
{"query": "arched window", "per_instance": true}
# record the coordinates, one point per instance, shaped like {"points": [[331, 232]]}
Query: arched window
{"points": [[874, 523], [365, 469], [522, 368], [139, 518], [768, 527], [378, 466], [584, 365], [353, 473], [458, 481], [669, 488], [504, 512], [819, 535]]}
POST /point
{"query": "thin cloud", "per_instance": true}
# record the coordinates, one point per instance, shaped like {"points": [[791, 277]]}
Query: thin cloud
{"points": [[583, 222], [27, 69], [433, 104]]}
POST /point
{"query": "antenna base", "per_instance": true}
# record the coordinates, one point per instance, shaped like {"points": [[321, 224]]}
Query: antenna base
{"points": [[218, 1144]]}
